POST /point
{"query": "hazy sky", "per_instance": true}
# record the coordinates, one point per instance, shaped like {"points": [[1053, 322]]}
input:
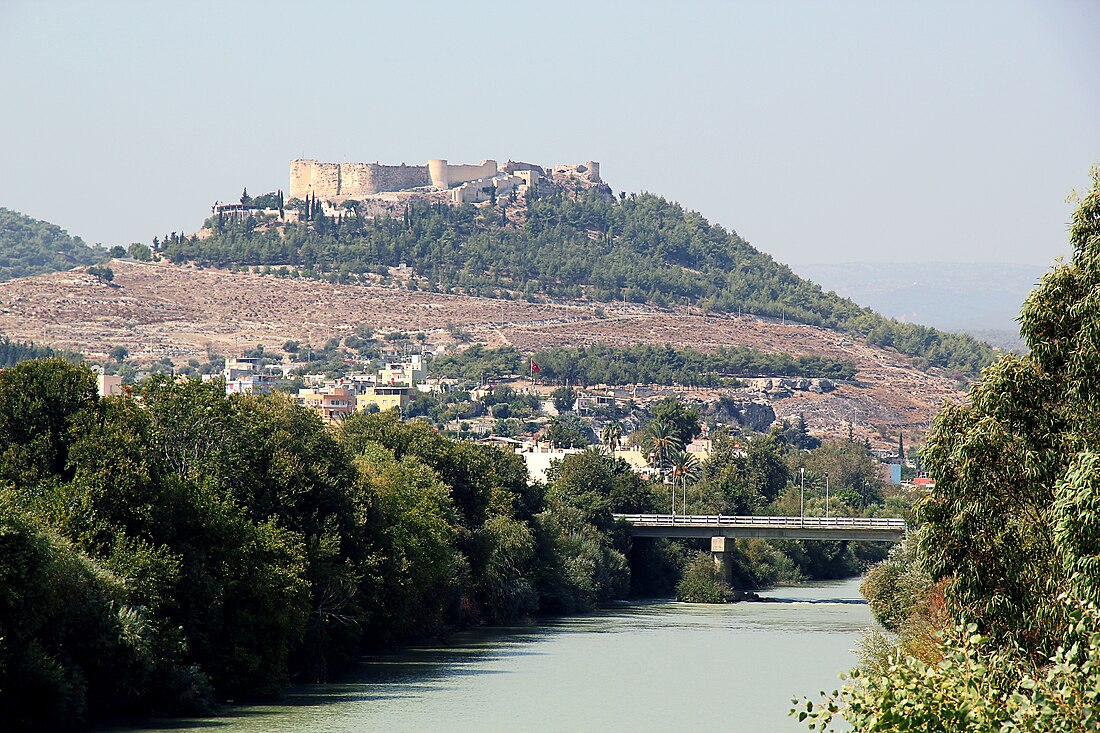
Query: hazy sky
{"points": [[819, 131]]}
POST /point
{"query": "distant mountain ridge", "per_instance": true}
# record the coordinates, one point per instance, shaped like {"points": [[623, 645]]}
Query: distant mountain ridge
{"points": [[30, 246], [979, 298]]}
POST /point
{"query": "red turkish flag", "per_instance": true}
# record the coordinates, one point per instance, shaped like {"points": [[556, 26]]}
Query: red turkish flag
{"points": [[535, 367]]}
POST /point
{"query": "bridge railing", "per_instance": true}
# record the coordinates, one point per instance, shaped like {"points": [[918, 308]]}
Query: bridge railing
{"points": [[725, 520]]}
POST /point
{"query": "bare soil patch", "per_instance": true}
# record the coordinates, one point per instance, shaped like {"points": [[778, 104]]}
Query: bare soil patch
{"points": [[160, 310]]}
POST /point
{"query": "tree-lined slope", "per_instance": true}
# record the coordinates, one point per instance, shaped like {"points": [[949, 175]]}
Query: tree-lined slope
{"points": [[31, 247], [640, 248]]}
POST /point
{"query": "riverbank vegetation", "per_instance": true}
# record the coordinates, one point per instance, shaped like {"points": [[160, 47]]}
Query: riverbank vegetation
{"points": [[163, 551], [995, 600], [637, 248]]}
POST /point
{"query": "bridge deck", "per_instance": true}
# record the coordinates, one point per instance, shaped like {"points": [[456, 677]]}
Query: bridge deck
{"points": [[872, 529]]}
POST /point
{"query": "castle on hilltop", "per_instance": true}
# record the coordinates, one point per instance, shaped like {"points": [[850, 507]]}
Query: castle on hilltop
{"points": [[467, 183]]}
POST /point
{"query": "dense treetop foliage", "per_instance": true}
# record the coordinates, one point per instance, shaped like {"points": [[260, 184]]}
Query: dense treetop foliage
{"points": [[32, 247], [157, 555], [640, 364], [1007, 560], [639, 248]]}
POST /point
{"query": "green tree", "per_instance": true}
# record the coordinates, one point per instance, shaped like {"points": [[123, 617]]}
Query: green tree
{"points": [[13, 352], [977, 686], [598, 485], [71, 647], [410, 512], [684, 470], [1011, 531], [611, 436], [506, 578], [1002, 460], [104, 274], [765, 468], [38, 402], [577, 566], [701, 583], [684, 421], [725, 479], [140, 251], [564, 398], [796, 435], [661, 443], [853, 474], [568, 431]]}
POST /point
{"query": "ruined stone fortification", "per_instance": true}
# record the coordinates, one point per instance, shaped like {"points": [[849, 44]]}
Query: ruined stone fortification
{"points": [[363, 180], [332, 180]]}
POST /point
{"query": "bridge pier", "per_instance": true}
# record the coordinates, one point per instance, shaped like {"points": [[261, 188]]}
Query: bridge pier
{"points": [[718, 550]]}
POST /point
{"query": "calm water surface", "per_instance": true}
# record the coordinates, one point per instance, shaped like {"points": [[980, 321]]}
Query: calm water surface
{"points": [[661, 666]]}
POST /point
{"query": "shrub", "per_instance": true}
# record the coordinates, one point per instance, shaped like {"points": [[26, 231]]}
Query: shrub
{"points": [[700, 582]]}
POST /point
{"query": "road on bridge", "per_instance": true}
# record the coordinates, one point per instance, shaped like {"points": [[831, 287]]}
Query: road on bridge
{"points": [[702, 526]]}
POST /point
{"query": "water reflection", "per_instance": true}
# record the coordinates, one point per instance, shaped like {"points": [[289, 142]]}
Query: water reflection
{"points": [[647, 667]]}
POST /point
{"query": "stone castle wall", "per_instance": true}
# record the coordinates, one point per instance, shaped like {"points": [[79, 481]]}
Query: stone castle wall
{"points": [[445, 175], [361, 180], [349, 180]]}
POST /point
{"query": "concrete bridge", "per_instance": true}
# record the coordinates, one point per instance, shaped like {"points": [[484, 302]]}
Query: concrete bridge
{"points": [[701, 526], [719, 528]]}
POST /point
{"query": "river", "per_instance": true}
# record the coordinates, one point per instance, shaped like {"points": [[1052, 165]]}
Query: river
{"points": [[656, 666]]}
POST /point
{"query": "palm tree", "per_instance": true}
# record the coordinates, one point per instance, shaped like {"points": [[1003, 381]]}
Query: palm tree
{"points": [[661, 442], [612, 436], [685, 467]]}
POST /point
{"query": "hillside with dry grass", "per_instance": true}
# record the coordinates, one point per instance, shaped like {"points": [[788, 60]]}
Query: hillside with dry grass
{"points": [[160, 310]]}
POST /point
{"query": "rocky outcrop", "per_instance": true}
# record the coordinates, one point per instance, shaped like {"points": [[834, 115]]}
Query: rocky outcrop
{"points": [[776, 386]]}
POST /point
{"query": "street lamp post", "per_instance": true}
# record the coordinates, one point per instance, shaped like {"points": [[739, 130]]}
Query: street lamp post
{"points": [[673, 495], [801, 495], [826, 494]]}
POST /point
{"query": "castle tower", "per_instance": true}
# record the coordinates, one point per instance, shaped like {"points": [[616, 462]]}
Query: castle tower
{"points": [[439, 173], [301, 178], [593, 167]]}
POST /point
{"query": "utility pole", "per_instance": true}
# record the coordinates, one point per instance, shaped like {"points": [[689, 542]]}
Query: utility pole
{"points": [[801, 495]]}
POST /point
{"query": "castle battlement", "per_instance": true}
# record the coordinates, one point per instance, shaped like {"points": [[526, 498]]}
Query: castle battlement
{"points": [[362, 180]]}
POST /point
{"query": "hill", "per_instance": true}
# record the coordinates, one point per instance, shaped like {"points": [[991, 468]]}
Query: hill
{"points": [[158, 311], [31, 247], [580, 245]]}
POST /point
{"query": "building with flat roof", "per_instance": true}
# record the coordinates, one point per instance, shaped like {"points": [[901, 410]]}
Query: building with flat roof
{"points": [[385, 397]]}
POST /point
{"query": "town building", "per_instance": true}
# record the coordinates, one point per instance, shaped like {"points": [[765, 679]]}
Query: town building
{"points": [[332, 403], [109, 385], [385, 397]]}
